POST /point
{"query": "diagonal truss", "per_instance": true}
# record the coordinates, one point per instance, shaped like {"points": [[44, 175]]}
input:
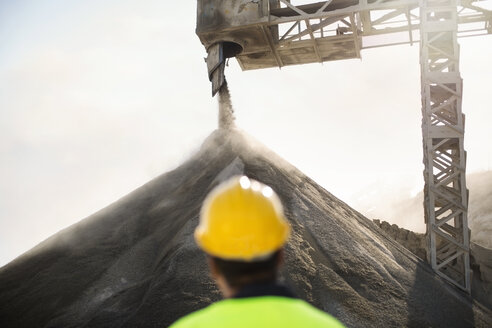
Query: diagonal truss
{"points": [[340, 29], [277, 33], [446, 196]]}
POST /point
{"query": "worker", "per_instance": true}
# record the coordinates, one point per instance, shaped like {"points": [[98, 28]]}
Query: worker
{"points": [[242, 230]]}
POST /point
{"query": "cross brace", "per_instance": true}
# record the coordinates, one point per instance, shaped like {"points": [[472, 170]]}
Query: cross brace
{"points": [[277, 33], [445, 193], [331, 30]]}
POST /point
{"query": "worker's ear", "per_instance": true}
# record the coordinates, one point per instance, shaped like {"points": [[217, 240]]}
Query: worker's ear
{"points": [[219, 279], [214, 270]]}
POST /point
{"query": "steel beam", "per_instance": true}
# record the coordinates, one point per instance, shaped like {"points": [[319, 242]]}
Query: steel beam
{"points": [[446, 196], [277, 33]]}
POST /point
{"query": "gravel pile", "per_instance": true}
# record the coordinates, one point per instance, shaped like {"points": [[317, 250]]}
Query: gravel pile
{"points": [[135, 264]]}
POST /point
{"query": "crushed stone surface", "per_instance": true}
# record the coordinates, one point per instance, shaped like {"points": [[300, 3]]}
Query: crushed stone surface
{"points": [[135, 264]]}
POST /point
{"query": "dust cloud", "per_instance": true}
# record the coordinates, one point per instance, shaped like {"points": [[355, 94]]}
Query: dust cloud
{"points": [[481, 228], [480, 208], [226, 112], [393, 202], [138, 255], [398, 207]]}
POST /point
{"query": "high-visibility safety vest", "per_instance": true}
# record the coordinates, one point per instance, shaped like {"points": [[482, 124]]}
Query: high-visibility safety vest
{"points": [[257, 312]]}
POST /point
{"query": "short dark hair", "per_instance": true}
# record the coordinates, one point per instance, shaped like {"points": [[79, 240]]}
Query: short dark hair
{"points": [[239, 273]]}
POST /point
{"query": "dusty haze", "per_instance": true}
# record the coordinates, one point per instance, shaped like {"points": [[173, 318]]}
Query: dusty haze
{"points": [[135, 263]]}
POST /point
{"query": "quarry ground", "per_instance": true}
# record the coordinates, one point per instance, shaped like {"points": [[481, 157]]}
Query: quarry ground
{"points": [[135, 264]]}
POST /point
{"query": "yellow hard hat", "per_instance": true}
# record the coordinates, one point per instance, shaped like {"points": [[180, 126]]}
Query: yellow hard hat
{"points": [[242, 219]]}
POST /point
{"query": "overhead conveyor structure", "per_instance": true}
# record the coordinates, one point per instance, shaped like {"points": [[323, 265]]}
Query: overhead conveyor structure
{"points": [[277, 33]]}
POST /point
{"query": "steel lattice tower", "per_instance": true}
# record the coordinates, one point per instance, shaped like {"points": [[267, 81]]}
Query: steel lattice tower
{"points": [[277, 33], [443, 127]]}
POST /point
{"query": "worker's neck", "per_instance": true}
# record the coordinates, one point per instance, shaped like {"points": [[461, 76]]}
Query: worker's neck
{"points": [[226, 290]]}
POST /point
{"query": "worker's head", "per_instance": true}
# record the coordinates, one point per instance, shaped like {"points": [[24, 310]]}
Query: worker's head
{"points": [[242, 229]]}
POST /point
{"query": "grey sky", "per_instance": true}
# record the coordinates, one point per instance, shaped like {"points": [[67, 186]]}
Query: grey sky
{"points": [[97, 99]]}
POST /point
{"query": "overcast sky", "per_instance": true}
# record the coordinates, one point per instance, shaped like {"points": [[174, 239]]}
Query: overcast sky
{"points": [[99, 97]]}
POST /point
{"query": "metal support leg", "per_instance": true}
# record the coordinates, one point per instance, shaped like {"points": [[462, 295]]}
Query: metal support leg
{"points": [[446, 196]]}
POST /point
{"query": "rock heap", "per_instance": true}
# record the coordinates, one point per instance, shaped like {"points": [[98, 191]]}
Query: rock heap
{"points": [[135, 264]]}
